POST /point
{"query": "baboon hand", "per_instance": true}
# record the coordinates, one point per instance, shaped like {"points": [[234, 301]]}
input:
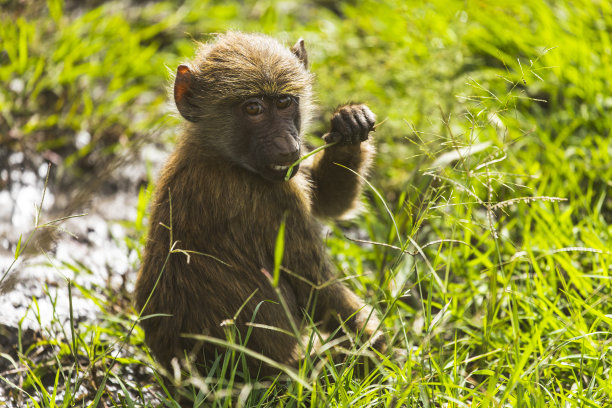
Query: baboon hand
{"points": [[371, 331], [379, 342], [351, 125]]}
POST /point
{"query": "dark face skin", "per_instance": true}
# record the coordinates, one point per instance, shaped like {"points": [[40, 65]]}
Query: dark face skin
{"points": [[268, 133]]}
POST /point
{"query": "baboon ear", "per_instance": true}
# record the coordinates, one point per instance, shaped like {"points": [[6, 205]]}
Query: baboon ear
{"points": [[300, 51], [183, 92]]}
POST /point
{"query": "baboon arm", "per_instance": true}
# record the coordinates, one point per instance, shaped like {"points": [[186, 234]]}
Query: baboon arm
{"points": [[337, 173]]}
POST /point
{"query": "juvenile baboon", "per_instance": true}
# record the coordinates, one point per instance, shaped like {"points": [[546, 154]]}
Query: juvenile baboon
{"points": [[223, 195]]}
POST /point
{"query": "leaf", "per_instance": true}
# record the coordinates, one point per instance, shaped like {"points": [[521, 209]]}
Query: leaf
{"points": [[307, 155], [55, 9], [454, 155], [279, 249], [439, 316], [18, 249]]}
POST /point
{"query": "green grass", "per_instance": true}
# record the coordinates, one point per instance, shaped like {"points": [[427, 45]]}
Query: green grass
{"points": [[487, 239]]}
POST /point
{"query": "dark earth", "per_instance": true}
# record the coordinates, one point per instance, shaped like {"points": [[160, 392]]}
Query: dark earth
{"points": [[91, 250]]}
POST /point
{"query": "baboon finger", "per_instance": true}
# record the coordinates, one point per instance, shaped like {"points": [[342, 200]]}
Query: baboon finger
{"points": [[339, 125], [364, 126], [370, 117], [351, 122], [332, 137]]}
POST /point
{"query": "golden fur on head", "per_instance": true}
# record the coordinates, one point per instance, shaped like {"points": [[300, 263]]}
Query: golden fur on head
{"points": [[238, 66]]}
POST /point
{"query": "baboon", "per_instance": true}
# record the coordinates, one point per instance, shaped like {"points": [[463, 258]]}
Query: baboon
{"points": [[223, 196]]}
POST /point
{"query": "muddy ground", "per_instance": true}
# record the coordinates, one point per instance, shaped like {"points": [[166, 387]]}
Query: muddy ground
{"points": [[90, 249]]}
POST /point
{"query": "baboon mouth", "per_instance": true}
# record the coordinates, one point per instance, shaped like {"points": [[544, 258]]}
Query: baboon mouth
{"points": [[279, 167], [278, 171]]}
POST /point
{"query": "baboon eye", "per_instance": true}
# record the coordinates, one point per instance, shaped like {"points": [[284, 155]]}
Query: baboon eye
{"points": [[253, 108], [284, 102]]}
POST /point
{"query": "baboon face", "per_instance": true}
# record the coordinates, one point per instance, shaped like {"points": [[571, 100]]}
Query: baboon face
{"points": [[248, 98], [268, 135]]}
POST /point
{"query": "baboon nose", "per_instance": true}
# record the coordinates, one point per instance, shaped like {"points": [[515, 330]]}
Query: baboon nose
{"points": [[287, 148]]}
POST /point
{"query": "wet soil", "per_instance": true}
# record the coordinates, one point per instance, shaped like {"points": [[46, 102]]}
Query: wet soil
{"points": [[94, 249]]}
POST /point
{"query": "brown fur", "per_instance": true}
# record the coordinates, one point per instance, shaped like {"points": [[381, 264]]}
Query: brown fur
{"points": [[223, 209]]}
